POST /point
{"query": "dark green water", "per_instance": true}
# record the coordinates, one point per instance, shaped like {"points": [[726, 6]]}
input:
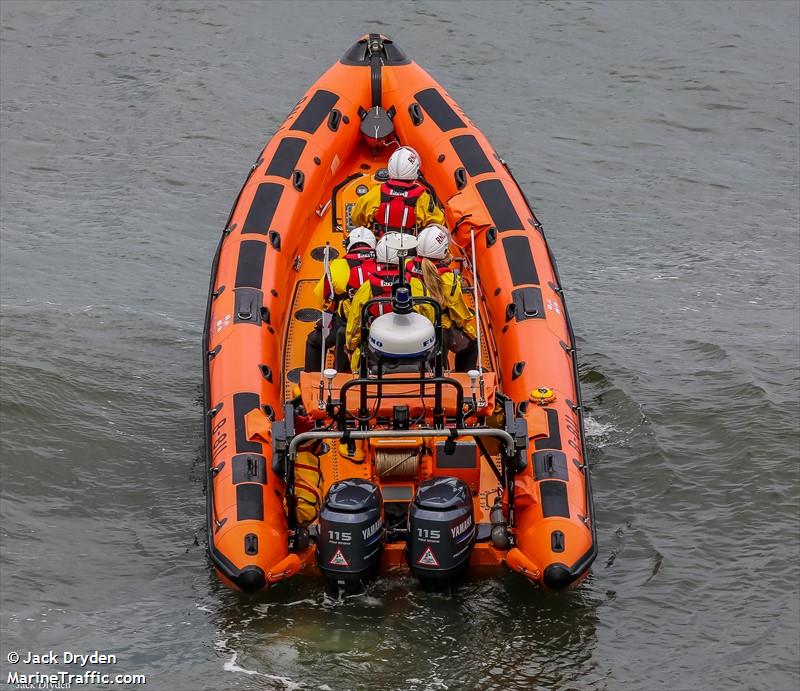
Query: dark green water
{"points": [[658, 143]]}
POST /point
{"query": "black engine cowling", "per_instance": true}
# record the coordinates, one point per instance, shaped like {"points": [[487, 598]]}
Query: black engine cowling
{"points": [[441, 531], [351, 534]]}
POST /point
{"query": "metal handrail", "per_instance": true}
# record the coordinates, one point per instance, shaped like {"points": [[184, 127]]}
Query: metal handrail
{"points": [[438, 369]]}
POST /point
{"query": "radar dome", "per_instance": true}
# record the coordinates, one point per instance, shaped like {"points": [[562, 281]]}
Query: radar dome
{"points": [[401, 336]]}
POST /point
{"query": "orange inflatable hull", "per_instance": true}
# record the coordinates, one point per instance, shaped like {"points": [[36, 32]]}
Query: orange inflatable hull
{"points": [[295, 200]]}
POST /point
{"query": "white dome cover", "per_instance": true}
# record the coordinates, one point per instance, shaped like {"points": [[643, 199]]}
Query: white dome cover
{"points": [[401, 336]]}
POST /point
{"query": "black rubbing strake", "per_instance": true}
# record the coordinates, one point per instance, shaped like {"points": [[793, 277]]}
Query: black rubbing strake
{"points": [[553, 440], [439, 110], [243, 403], [263, 208], [375, 61], [249, 502], [249, 467], [250, 267], [554, 498], [499, 205], [471, 154], [286, 156], [315, 111], [520, 260]]}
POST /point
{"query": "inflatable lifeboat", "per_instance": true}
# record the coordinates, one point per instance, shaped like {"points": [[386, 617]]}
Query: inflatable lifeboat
{"points": [[388, 468]]}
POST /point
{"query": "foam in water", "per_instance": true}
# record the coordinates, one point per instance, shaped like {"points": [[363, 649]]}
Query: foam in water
{"points": [[598, 432], [231, 666]]}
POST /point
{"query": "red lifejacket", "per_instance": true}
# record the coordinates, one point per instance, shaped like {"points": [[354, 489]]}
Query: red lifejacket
{"points": [[362, 266], [414, 267], [381, 282], [397, 210]]}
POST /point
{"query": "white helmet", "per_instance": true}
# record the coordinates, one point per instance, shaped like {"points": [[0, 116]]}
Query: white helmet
{"points": [[404, 164], [361, 235], [386, 251], [433, 242]]}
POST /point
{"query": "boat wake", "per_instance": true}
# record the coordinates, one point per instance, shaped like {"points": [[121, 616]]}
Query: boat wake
{"points": [[598, 433], [231, 666]]}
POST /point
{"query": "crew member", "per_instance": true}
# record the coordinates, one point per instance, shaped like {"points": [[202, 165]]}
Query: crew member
{"points": [[333, 294], [402, 203], [444, 285], [380, 285], [414, 264]]}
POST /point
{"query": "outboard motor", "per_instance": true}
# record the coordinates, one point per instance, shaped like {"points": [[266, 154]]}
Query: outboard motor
{"points": [[351, 534], [441, 532]]}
